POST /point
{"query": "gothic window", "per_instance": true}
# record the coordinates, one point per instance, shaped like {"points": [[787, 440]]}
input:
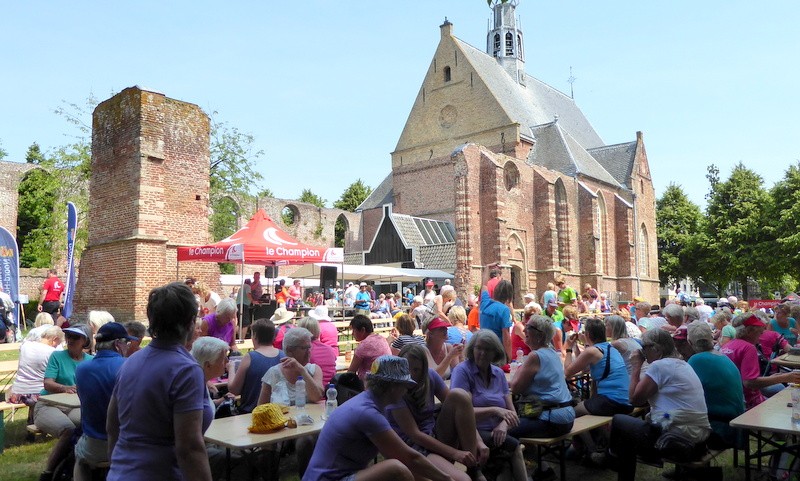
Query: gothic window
{"points": [[509, 44], [511, 175], [447, 74], [600, 223], [519, 47], [644, 253], [562, 225], [496, 44]]}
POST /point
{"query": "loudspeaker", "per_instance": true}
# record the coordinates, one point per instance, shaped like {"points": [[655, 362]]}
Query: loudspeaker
{"points": [[270, 272], [327, 280]]}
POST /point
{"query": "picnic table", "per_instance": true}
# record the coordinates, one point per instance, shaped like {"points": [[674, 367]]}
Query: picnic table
{"points": [[232, 433]]}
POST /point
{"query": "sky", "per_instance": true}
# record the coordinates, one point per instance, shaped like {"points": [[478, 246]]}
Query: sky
{"points": [[326, 87]]}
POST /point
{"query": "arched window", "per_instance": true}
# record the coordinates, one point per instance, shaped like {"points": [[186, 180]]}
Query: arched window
{"points": [[519, 47], [509, 44], [562, 224], [340, 230], [447, 74], [290, 215], [644, 252], [496, 50], [600, 231], [511, 175]]}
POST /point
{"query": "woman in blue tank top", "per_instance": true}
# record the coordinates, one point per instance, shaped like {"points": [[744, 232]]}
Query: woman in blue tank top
{"points": [[247, 380]]}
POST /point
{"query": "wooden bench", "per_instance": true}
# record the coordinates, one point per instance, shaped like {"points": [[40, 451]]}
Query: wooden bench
{"points": [[7, 406], [558, 446]]}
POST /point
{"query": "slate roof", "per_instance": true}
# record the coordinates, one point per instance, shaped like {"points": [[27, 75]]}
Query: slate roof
{"points": [[534, 103], [383, 194], [442, 257], [557, 150], [618, 160]]}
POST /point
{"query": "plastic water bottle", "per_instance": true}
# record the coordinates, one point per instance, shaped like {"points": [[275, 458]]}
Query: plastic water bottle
{"points": [[796, 406], [332, 403], [300, 393], [512, 368], [665, 422], [520, 354]]}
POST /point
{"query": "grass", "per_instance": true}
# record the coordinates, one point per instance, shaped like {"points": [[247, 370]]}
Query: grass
{"points": [[22, 460]]}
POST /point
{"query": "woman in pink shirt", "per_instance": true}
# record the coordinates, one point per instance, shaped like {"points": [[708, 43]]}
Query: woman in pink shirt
{"points": [[371, 345]]}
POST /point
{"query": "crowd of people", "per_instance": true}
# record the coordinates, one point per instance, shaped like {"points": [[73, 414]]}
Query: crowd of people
{"points": [[454, 382]]}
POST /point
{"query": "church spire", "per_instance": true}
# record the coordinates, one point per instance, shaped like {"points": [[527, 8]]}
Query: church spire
{"points": [[504, 40]]}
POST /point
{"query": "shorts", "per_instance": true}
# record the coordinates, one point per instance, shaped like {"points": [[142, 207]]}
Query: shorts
{"points": [[600, 405], [91, 451], [54, 420]]}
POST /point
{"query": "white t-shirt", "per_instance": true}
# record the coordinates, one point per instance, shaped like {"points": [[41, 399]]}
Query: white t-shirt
{"points": [[33, 357], [678, 387], [283, 390], [210, 305], [705, 312]]}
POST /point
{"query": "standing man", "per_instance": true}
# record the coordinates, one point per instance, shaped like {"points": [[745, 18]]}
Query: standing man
{"points": [[50, 298], [566, 294], [363, 300], [495, 313], [95, 380], [256, 290]]}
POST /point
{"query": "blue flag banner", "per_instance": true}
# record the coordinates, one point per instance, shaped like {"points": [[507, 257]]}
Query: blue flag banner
{"points": [[9, 270], [72, 227]]}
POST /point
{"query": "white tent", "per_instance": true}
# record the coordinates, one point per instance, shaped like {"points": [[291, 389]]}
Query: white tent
{"points": [[359, 273]]}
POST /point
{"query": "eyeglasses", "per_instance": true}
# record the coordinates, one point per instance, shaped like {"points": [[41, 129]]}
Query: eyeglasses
{"points": [[72, 337], [305, 348]]}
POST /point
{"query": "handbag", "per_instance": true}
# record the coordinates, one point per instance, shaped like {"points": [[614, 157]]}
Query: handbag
{"points": [[529, 406]]}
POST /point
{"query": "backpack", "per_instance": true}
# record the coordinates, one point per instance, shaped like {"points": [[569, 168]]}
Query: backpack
{"points": [[348, 385]]}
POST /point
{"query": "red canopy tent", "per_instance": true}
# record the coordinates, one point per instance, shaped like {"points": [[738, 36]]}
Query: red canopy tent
{"points": [[261, 241]]}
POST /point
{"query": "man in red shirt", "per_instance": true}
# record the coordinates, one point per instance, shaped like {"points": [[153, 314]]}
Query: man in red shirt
{"points": [[50, 299]]}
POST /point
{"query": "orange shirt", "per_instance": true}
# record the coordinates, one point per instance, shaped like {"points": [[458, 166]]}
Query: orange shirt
{"points": [[473, 320]]}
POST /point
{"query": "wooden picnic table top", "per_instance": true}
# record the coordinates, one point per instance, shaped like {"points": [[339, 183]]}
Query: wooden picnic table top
{"points": [[231, 432]]}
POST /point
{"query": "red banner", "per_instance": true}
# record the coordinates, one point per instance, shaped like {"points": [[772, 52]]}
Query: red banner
{"points": [[763, 303]]}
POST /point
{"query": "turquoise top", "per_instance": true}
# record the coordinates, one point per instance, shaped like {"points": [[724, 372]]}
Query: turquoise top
{"points": [[615, 385], [61, 368]]}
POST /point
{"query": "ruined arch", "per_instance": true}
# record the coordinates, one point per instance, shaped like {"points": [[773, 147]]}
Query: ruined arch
{"points": [[340, 230], [290, 215]]}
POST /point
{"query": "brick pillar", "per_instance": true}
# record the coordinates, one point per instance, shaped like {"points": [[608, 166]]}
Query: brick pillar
{"points": [[148, 193]]}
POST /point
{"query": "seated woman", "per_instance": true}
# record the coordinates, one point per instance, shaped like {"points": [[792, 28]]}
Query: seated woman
{"points": [[222, 323], [721, 386], [617, 331], [59, 377], [724, 331], [371, 345], [358, 430], [458, 333], [742, 351], [322, 355], [481, 376], [212, 355], [542, 376], [33, 358], [451, 435], [442, 357], [404, 336], [278, 384], [783, 324], [676, 399], [247, 380], [607, 368], [381, 308]]}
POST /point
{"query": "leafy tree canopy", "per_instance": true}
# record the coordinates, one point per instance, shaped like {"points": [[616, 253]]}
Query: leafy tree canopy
{"points": [[678, 223], [311, 198], [353, 196]]}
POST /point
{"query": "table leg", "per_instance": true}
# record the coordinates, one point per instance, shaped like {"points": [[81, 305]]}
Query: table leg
{"points": [[228, 463], [747, 459]]}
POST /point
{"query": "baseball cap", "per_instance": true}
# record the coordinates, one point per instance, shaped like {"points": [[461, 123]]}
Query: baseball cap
{"points": [[429, 283], [392, 369], [552, 302], [363, 284], [438, 323], [529, 296], [113, 331]]}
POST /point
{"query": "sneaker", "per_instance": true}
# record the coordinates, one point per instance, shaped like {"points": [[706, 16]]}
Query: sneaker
{"points": [[598, 458]]}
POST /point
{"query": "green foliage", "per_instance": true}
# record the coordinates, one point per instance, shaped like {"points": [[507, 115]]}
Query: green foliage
{"points": [[353, 196], [265, 192], [311, 198], [785, 222], [233, 158], [224, 221], [678, 223], [737, 212], [288, 216], [3, 153]]}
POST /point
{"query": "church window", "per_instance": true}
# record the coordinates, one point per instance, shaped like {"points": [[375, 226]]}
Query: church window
{"points": [[644, 253], [600, 232], [519, 47], [511, 175], [447, 74], [496, 44], [509, 44], [562, 225]]}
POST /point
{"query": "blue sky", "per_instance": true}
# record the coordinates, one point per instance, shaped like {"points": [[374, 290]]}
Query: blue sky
{"points": [[326, 87]]}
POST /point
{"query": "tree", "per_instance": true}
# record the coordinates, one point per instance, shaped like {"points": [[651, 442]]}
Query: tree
{"points": [[353, 196], [678, 223], [311, 198], [737, 212], [785, 221], [3, 153], [224, 221]]}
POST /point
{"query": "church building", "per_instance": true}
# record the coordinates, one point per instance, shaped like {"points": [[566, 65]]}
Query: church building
{"points": [[495, 165]]}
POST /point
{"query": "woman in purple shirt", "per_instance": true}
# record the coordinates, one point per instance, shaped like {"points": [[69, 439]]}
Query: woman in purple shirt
{"points": [[451, 436], [222, 323], [155, 417], [480, 376]]}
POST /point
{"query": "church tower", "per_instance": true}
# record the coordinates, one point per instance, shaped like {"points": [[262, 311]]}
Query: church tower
{"points": [[504, 40]]}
